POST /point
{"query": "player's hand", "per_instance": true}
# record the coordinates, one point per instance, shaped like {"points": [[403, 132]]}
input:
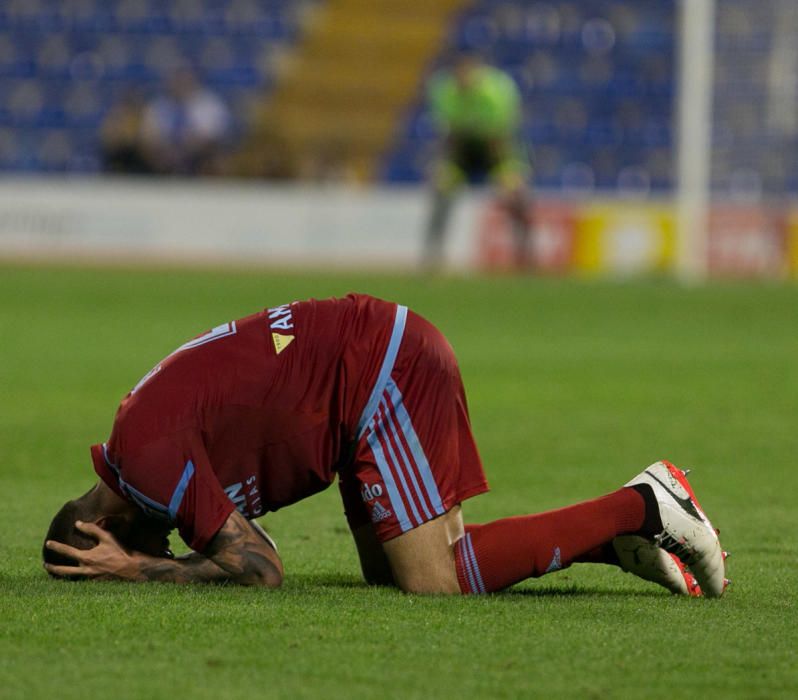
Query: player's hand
{"points": [[108, 560]]}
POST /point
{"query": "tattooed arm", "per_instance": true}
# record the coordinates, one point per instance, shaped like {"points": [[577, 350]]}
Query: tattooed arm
{"points": [[246, 553], [238, 553]]}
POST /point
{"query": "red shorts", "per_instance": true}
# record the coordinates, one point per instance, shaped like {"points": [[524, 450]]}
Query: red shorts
{"points": [[415, 457]]}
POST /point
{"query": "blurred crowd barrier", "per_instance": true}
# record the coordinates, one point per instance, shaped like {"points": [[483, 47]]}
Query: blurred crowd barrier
{"points": [[382, 227]]}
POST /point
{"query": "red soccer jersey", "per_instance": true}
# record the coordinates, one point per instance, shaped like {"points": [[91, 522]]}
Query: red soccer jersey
{"points": [[256, 414]]}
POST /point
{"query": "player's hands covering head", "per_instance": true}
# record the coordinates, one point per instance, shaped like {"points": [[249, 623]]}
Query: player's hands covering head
{"points": [[107, 560]]}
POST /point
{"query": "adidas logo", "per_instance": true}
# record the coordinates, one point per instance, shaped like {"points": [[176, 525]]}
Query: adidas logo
{"points": [[379, 512], [556, 561]]}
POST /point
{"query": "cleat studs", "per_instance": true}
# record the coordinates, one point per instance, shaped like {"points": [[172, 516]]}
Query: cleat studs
{"points": [[726, 555], [685, 472], [726, 583]]}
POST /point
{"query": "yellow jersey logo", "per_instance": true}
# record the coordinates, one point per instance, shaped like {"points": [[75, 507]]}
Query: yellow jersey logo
{"points": [[281, 319], [281, 342]]}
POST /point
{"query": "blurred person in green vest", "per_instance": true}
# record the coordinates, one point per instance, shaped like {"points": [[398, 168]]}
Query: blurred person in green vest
{"points": [[478, 110]]}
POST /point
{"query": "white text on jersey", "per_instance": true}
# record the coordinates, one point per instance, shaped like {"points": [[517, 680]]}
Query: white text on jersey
{"points": [[281, 318]]}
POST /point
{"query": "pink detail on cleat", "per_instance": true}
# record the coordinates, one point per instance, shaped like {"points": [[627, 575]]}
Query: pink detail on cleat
{"points": [[693, 589]]}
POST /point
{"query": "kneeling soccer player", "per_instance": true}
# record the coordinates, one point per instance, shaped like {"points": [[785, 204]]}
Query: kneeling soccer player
{"points": [[259, 413]]}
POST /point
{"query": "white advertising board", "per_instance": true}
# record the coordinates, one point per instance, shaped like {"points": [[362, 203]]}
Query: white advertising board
{"points": [[223, 221]]}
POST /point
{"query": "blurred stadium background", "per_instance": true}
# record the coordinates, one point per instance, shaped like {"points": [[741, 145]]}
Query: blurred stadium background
{"points": [[664, 133]]}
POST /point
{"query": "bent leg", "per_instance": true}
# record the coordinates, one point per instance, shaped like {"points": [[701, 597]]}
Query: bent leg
{"points": [[518, 208], [436, 226], [444, 556], [496, 555], [373, 562], [511, 174], [416, 460], [447, 179], [423, 559]]}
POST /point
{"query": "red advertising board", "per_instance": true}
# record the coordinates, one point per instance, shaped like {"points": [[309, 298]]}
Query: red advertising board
{"points": [[551, 247], [747, 241]]}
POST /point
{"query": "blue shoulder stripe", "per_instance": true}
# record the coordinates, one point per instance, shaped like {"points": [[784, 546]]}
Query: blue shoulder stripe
{"points": [[180, 490]]}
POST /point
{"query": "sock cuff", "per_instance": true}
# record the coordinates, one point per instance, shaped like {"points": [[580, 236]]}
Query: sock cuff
{"points": [[469, 575]]}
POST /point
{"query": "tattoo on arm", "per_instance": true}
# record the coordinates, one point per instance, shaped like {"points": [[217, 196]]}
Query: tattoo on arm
{"points": [[237, 553], [193, 568], [244, 554]]}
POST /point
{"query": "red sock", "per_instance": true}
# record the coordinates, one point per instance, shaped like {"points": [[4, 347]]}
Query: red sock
{"points": [[496, 555]]}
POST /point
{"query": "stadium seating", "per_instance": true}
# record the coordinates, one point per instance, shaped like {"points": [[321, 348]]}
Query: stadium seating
{"points": [[350, 81], [596, 78], [756, 115], [63, 63]]}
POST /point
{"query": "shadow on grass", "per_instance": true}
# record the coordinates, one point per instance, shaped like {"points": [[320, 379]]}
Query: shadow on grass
{"points": [[42, 585], [306, 582], [347, 582], [577, 592]]}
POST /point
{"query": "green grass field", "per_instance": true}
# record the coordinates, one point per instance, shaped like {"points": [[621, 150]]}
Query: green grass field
{"points": [[574, 386]]}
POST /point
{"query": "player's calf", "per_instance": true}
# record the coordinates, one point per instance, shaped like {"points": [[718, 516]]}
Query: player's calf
{"points": [[496, 555]]}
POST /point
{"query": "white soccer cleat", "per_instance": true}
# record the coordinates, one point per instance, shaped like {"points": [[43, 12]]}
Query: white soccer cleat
{"points": [[642, 558], [686, 530]]}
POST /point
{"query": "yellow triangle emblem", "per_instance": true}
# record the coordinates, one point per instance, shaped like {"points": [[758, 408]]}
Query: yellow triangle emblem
{"points": [[281, 342]]}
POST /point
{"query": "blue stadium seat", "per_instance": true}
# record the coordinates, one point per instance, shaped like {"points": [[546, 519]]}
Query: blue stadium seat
{"points": [[603, 54], [63, 64]]}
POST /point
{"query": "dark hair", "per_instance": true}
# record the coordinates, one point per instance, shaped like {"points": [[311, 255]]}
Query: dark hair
{"points": [[62, 529]]}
